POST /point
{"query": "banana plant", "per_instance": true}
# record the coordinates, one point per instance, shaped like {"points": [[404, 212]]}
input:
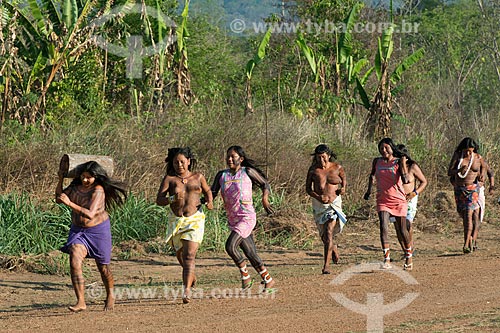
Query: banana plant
{"points": [[52, 35], [380, 105], [258, 57], [344, 47], [345, 68], [314, 61], [181, 59]]}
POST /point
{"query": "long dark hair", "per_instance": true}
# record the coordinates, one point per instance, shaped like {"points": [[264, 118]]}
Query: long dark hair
{"points": [[114, 190], [172, 152], [247, 162], [467, 143], [322, 148], [388, 141], [404, 152]]}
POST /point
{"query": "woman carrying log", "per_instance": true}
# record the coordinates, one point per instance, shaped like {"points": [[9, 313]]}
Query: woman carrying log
{"points": [[89, 195]]}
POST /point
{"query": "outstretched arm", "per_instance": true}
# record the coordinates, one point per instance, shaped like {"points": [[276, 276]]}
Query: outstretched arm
{"points": [[262, 182], [216, 185], [370, 180]]}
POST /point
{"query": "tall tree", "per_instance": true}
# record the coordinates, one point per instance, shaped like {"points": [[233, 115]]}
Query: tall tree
{"points": [[50, 34]]}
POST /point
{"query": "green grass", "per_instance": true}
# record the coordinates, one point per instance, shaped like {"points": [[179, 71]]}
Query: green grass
{"points": [[28, 229], [137, 219]]}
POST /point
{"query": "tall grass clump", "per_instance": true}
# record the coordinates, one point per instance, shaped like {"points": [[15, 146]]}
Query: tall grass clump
{"points": [[137, 219], [25, 228]]}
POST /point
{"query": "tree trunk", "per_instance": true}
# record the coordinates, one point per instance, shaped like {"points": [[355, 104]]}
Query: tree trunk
{"points": [[249, 105], [69, 162], [184, 81], [379, 123]]}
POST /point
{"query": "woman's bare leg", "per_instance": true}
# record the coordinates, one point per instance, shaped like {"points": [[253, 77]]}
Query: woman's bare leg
{"points": [[402, 230], [329, 249], [384, 237], [189, 250], [77, 254], [467, 220], [476, 222], [109, 284]]}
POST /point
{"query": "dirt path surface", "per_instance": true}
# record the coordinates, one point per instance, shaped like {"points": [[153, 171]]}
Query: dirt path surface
{"points": [[451, 292]]}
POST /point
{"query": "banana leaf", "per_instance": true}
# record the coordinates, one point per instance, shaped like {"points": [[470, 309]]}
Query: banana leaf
{"points": [[405, 64]]}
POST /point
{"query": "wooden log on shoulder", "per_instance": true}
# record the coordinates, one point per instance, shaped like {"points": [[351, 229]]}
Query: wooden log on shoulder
{"points": [[69, 162]]}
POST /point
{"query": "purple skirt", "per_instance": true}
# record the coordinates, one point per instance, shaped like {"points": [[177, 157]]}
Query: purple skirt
{"points": [[97, 241]]}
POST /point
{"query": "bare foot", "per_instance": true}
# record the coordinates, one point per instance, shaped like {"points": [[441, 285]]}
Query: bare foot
{"points": [[78, 307], [110, 304], [186, 297]]}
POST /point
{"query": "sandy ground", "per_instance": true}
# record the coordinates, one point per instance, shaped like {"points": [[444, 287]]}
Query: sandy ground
{"points": [[446, 292]]}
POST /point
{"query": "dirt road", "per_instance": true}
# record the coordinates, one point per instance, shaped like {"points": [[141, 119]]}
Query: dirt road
{"points": [[447, 292]]}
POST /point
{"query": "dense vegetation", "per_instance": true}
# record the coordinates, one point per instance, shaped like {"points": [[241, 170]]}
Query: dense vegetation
{"points": [[276, 94]]}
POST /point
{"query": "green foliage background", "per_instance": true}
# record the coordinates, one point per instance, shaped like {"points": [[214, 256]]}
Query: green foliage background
{"points": [[91, 107]]}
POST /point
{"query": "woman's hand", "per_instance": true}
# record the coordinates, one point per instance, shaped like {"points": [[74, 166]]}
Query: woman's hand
{"points": [[64, 199], [267, 206], [325, 199], [411, 195]]}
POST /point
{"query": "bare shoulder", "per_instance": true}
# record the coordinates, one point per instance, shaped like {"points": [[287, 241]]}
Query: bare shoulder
{"points": [[168, 178], [478, 158], [336, 165], [414, 168], [198, 175], [312, 168]]}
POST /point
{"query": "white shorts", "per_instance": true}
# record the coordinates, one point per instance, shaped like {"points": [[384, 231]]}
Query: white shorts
{"points": [[412, 210]]}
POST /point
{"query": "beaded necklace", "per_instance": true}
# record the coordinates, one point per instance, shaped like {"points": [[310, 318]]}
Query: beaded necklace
{"points": [[183, 179], [463, 175]]}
